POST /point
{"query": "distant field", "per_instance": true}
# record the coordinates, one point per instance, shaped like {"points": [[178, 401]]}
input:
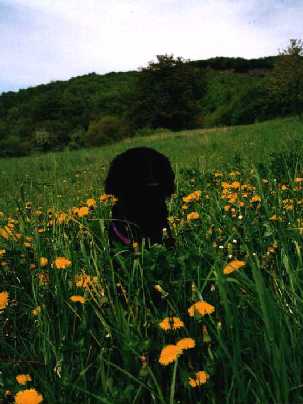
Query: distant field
{"points": [[63, 179]]}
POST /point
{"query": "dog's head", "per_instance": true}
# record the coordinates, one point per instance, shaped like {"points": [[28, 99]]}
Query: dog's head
{"points": [[140, 172]]}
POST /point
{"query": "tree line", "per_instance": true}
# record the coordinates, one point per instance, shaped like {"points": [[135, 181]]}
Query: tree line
{"points": [[169, 92]]}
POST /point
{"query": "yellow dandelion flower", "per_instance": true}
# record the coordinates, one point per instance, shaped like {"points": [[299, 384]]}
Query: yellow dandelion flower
{"points": [[105, 197], [3, 300], [74, 211], [40, 230], [85, 281], [62, 263], [36, 311], [169, 354], [2, 252], [43, 278], [62, 217], [23, 379], [77, 298], [201, 377], [201, 308], [4, 233], [233, 266], [235, 185], [186, 343], [193, 197], [83, 211], [29, 396], [171, 323], [91, 203], [218, 174], [256, 198], [275, 218], [43, 262], [193, 216]]}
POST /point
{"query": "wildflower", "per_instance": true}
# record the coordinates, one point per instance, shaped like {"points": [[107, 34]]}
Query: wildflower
{"points": [[169, 354], [256, 198], [91, 203], [186, 343], [62, 263], [36, 311], [201, 377], [135, 244], [75, 211], [193, 197], [85, 281], [29, 396], [193, 216], [298, 180], [77, 298], [217, 174], [40, 229], [43, 261], [3, 300], [43, 278], [83, 211], [23, 379], [171, 323], [235, 185], [276, 218], [201, 307], [233, 266], [2, 252], [4, 233], [61, 217], [105, 197]]}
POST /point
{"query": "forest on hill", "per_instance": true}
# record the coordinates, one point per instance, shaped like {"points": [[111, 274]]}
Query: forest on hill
{"points": [[172, 93]]}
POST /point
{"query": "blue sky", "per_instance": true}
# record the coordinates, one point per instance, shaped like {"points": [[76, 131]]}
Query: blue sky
{"points": [[46, 40]]}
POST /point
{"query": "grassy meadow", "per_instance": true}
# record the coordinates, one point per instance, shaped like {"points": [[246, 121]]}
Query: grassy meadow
{"points": [[216, 320]]}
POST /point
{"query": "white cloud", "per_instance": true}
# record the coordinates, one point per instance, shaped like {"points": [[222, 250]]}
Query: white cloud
{"points": [[55, 39]]}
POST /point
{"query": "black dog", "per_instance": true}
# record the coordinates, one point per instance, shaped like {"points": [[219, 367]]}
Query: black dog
{"points": [[141, 178]]}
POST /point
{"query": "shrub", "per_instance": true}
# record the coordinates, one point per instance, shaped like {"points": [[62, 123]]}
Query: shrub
{"points": [[106, 129]]}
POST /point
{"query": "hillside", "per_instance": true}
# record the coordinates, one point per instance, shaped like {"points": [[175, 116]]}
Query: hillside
{"points": [[56, 115]]}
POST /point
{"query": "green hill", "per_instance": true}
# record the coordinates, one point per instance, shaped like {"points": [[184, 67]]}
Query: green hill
{"points": [[56, 115]]}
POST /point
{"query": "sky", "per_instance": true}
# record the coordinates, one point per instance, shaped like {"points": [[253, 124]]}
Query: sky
{"points": [[48, 40]]}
